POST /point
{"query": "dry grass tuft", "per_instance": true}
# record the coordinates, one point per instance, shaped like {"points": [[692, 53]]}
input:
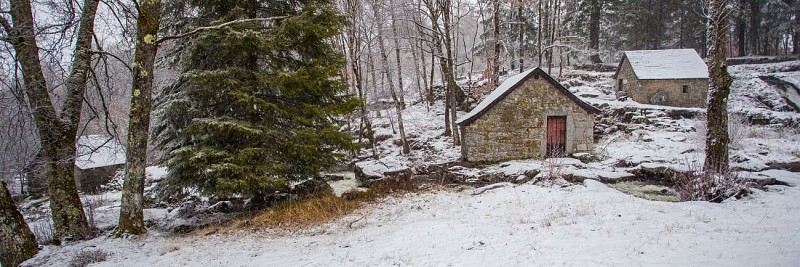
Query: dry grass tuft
{"points": [[310, 212], [304, 213]]}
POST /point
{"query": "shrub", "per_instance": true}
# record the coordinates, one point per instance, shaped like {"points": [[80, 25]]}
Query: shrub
{"points": [[86, 257], [697, 184]]}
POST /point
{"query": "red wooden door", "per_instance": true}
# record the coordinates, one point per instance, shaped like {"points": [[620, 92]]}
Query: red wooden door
{"points": [[556, 136]]}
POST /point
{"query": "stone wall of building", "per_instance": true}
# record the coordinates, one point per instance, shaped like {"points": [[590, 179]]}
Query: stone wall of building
{"points": [[90, 180], [661, 92], [670, 92], [516, 127]]}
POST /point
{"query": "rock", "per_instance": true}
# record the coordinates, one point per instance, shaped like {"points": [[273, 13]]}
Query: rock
{"points": [[789, 166], [312, 188], [628, 116], [585, 157], [365, 177], [527, 176], [640, 120], [350, 195], [656, 174], [220, 207], [482, 190], [401, 174], [676, 114]]}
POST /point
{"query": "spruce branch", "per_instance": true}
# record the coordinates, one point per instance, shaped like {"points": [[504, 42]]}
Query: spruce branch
{"points": [[216, 27]]}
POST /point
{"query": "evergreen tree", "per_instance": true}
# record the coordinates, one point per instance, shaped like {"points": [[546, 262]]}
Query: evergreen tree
{"points": [[257, 103]]}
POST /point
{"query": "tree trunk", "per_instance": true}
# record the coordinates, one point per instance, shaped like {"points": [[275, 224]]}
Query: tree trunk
{"points": [[388, 74], [445, 6], [594, 32], [18, 243], [796, 36], [355, 53], [539, 33], [741, 31], [755, 9], [401, 92], [131, 213], [496, 36], [436, 34], [57, 132], [720, 81], [521, 35]]}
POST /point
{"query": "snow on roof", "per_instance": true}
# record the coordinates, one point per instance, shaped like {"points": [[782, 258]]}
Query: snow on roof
{"points": [[508, 85], [501, 90], [667, 64], [96, 151]]}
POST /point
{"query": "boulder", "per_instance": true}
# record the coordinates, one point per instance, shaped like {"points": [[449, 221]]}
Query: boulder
{"points": [[312, 188]]}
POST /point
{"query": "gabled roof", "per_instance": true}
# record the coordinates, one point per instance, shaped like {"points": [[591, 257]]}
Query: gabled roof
{"points": [[96, 151], [511, 84], [669, 64]]}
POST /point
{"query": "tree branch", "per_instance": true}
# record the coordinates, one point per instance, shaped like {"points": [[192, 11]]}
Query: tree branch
{"points": [[216, 27]]}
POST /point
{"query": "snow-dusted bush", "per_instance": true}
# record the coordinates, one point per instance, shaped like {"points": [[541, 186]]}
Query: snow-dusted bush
{"points": [[697, 184], [89, 256]]}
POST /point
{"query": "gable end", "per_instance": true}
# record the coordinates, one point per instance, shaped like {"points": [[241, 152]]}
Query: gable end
{"points": [[536, 74]]}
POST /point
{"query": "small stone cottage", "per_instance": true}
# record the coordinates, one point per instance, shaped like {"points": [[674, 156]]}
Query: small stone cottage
{"points": [[530, 115], [673, 77], [99, 158]]}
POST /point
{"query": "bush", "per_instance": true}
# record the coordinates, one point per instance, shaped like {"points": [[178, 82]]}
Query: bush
{"points": [[697, 184], [86, 257]]}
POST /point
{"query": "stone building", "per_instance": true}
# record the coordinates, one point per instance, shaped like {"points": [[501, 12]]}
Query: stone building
{"points": [[99, 158], [673, 77], [530, 115]]}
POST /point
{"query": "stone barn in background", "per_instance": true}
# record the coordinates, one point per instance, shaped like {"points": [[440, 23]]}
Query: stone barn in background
{"points": [[99, 158], [530, 115], [673, 77]]}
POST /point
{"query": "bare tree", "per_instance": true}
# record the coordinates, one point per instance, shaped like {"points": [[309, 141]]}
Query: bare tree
{"points": [[376, 9], [57, 131]]}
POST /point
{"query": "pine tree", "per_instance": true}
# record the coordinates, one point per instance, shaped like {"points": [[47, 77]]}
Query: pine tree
{"points": [[257, 103]]}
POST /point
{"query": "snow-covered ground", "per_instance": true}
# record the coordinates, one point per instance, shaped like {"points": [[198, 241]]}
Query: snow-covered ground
{"points": [[526, 225]]}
